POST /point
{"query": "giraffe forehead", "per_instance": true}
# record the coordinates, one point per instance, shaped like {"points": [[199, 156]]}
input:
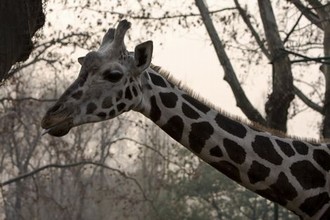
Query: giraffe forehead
{"points": [[92, 59], [97, 59]]}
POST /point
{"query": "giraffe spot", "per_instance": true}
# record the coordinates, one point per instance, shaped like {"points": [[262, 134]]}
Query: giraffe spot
{"points": [[121, 106], [265, 149], [169, 99], [154, 111], [258, 172], [234, 151], [119, 96], [307, 175], [270, 194], [283, 188], [216, 151], [112, 113], [231, 126], [197, 104], [314, 204], [326, 215], [227, 169], [157, 80], [280, 191], [107, 102], [91, 107], [128, 93], [148, 86], [322, 158], [300, 147], [189, 112], [174, 127], [77, 95], [102, 115], [135, 92], [285, 147], [200, 132], [131, 107]]}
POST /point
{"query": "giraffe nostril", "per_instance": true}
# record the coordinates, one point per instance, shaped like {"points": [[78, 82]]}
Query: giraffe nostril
{"points": [[56, 108]]}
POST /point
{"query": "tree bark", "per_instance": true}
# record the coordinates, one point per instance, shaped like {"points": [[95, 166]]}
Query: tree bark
{"points": [[325, 18], [283, 91]]}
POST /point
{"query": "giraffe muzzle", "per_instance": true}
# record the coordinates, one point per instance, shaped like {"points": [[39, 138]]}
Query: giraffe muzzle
{"points": [[59, 129], [57, 121]]}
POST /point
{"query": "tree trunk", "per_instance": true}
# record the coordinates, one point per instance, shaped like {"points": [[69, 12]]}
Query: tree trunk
{"points": [[282, 91], [326, 71]]}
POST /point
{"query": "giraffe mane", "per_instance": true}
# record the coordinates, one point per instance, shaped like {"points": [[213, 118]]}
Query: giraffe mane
{"points": [[254, 125]]}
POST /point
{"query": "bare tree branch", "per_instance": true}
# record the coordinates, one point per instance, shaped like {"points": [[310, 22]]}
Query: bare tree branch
{"points": [[164, 17], [292, 29], [317, 6], [306, 58], [307, 101], [27, 99], [242, 101], [254, 33], [307, 12]]}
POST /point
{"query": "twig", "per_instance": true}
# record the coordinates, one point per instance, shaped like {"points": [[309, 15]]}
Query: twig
{"points": [[27, 99], [307, 12], [306, 58], [254, 33], [307, 101], [292, 29], [164, 17]]}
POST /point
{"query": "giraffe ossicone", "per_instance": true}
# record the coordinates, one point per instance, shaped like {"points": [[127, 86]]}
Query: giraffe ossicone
{"points": [[293, 173]]}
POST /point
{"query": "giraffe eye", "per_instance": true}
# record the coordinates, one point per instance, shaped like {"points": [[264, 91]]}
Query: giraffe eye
{"points": [[112, 76]]}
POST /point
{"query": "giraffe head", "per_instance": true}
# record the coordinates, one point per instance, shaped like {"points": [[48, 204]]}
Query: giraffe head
{"points": [[108, 84]]}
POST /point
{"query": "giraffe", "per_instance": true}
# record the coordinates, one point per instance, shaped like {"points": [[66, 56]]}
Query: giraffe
{"points": [[288, 171]]}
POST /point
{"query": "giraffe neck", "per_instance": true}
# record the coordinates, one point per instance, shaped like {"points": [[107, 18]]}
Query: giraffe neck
{"points": [[290, 172]]}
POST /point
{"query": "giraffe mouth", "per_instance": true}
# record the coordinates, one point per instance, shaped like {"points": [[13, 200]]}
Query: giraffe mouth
{"points": [[57, 129]]}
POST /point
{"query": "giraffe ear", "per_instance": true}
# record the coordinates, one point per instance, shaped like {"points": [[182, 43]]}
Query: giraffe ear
{"points": [[81, 60], [142, 55]]}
